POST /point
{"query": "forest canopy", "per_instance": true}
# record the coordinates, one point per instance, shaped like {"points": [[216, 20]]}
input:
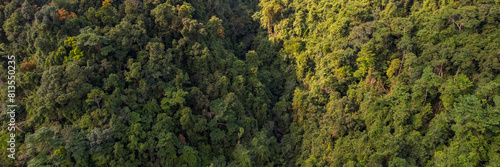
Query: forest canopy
{"points": [[251, 83]]}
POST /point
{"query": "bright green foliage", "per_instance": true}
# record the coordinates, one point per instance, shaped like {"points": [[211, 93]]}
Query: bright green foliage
{"points": [[75, 53], [365, 61], [389, 83], [393, 68]]}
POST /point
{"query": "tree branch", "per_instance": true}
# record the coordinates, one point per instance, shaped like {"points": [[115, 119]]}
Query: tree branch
{"points": [[426, 91], [403, 60]]}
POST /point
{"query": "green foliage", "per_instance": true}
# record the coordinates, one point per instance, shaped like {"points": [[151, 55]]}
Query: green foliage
{"points": [[75, 53], [252, 83]]}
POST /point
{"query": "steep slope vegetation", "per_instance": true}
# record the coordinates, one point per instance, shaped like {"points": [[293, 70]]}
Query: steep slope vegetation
{"points": [[252, 83]]}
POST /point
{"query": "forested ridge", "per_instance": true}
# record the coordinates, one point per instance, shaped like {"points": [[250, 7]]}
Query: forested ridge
{"points": [[252, 83]]}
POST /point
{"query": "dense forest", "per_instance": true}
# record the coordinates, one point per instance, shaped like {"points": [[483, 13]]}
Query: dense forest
{"points": [[252, 83]]}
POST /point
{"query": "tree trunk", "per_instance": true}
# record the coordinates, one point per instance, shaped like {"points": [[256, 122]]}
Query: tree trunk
{"points": [[403, 60]]}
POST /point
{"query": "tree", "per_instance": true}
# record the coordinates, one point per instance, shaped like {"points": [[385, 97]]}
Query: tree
{"points": [[96, 96], [269, 11], [43, 145], [27, 10]]}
